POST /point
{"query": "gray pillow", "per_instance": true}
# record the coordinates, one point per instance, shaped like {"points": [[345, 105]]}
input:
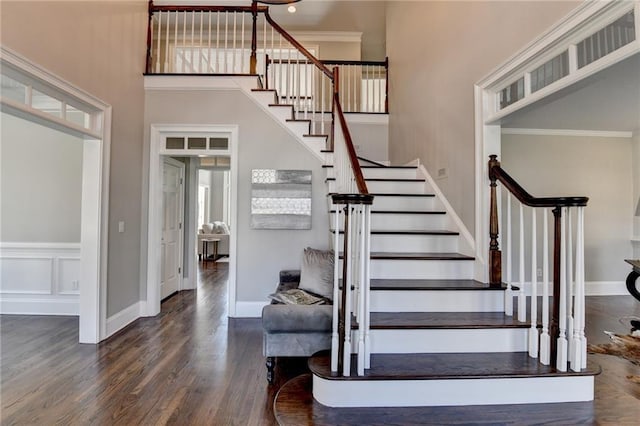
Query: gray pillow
{"points": [[316, 274]]}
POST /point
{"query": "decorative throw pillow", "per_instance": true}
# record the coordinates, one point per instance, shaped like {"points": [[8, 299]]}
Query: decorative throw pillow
{"points": [[206, 228], [316, 274]]}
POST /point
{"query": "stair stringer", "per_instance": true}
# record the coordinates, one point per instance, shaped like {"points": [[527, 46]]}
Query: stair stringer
{"points": [[467, 242], [290, 127]]}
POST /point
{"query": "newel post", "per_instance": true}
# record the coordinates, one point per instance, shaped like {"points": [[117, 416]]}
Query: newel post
{"points": [[147, 68], [253, 60], [495, 255]]}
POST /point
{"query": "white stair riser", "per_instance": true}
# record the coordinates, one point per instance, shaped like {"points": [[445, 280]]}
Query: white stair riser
{"points": [[412, 243], [315, 143], [389, 173], [422, 269], [328, 157], [455, 392], [300, 128], [396, 187], [407, 203], [281, 113], [328, 172], [403, 341], [265, 98], [436, 301], [405, 222]]}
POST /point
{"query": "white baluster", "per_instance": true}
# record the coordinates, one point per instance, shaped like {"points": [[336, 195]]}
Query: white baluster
{"points": [[522, 300], [166, 45], [570, 283], [508, 294], [579, 358], [174, 58], [323, 78], [218, 68], [184, 42], [367, 287], [298, 86], [192, 48], [235, 32], [209, 65], [533, 331], [242, 46], [158, 70], [264, 44], [362, 295], [226, 42], [200, 46], [348, 263], [562, 338], [336, 289], [545, 341]]}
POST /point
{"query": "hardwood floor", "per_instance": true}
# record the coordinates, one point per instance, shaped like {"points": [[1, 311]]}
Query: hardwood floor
{"points": [[192, 365]]}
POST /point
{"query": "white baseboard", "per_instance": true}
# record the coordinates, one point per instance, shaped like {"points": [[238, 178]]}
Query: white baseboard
{"points": [[592, 288], [125, 317], [34, 305], [249, 309]]}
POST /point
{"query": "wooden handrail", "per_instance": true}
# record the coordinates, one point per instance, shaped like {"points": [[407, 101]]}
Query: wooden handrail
{"points": [[496, 173], [204, 8], [329, 62], [353, 158], [298, 46]]}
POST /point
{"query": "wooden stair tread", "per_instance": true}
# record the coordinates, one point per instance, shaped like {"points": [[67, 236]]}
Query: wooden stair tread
{"points": [[281, 105], [263, 90], [378, 194], [412, 232], [315, 136], [430, 284], [297, 120], [388, 167], [420, 256], [393, 180], [444, 320], [442, 366], [427, 212]]}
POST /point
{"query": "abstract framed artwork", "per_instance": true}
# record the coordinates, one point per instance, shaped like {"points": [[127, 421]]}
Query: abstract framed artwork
{"points": [[280, 199]]}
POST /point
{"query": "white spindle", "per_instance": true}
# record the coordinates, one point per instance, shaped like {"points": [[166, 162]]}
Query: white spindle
{"points": [[209, 64], [348, 106], [158, 42], [570, 283], [192, 48], [184, 42], [218, 68], [362, 294], [336, 289], [347, 263], [323, 78], [522, 301], [264, 43], [298, 86], [533, 331], [545, 341], [166, 44], [235, 32], [579, 344], [242, 47], [175, 43], [200, 46], [367, 283], [562, 338], [508, 294], [226, 42]]}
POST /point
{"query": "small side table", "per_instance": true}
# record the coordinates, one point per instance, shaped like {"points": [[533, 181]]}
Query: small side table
{"points": [[205, 249], [632, 277]]}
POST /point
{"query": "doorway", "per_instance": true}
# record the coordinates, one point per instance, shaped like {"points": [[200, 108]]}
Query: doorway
{"points": [[192, 142], [172, 227]]}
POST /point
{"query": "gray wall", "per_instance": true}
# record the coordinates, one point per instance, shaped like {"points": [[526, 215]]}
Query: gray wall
{"points": [[100, 47], [41, 178], [600, 168], [437, 52], [263, 144]]}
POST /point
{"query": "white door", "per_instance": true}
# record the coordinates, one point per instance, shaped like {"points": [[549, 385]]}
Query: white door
{"points": [[172, 234]]}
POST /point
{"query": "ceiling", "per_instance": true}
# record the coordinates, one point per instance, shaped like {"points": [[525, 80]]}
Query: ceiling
{"points": [[606, 101]]}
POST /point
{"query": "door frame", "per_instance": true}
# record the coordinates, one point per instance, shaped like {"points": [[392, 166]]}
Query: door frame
{"points": [[94, 222], [182, 167], [154, 224]]}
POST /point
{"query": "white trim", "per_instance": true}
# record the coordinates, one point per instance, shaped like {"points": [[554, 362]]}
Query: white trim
{"points": [[592, 288], [67, 306], [152, 306], [181, 214], [460, 226], [178, 82], [363, 118], [442, 392], [567, 132], [249, 309], [123, 318], [95, 190], [6, 246], [330, 36]]}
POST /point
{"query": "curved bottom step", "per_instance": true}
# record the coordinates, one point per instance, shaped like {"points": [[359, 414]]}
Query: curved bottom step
{"points": [[294, 406]]}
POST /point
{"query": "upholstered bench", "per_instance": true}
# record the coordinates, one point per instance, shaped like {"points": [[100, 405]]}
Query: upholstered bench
{"points": [[294, 330]]}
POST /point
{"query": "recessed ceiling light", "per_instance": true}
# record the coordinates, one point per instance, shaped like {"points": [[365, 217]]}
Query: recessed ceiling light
{"points": [[291, 9]]}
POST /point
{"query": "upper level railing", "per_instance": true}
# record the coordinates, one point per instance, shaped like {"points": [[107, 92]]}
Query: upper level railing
{"points": [[562, 339], [225, 40]]}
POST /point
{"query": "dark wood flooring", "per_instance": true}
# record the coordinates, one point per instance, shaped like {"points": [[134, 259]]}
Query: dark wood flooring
{"points": [[192, 365]]}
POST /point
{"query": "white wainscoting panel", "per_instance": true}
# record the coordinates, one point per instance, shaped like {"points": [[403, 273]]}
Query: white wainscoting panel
{"points": [[39, 278]]}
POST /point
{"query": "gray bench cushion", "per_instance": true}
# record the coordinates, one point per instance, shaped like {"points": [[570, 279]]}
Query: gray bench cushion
{"points": [[297, 318]]}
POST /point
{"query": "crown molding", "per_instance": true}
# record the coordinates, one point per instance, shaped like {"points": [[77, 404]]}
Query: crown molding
{"points": [[567, 132]]}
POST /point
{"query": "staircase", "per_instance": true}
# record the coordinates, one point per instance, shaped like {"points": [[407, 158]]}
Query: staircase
{"points": [[438, 337]]}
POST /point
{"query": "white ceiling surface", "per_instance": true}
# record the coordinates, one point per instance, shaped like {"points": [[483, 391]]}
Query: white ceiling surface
{"points": [[606, 101]]}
